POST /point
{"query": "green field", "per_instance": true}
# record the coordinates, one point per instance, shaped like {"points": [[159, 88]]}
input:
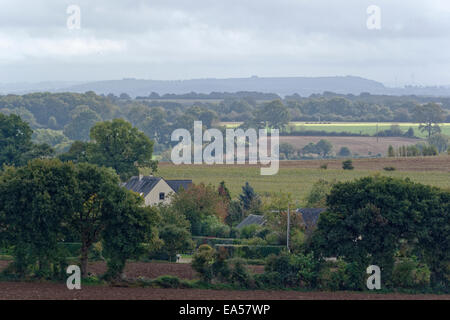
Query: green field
{"points": [[369, 128], [294, 180]]}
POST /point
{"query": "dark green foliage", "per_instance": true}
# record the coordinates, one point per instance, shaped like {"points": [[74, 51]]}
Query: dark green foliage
{"points": [[120, 146], [15, 140], [347, 165], [250, 200], [35, 200], [367, 219]]}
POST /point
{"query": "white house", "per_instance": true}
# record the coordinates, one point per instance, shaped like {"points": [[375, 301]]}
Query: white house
{"points": [[156, 190]]}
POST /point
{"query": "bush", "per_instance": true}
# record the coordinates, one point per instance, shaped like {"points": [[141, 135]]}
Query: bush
{"points": [[292, 270], [251, 252], [240, 275], [347, 165], [168, 282], [202, 262], [389, 168], [410, 274]]}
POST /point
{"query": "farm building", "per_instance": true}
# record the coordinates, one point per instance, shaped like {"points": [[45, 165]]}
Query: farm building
{"points": [[156, 190]]}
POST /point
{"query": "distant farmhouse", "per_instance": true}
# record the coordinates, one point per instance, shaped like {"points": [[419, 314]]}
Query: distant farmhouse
{"points": [[156, 190], [310, 218]]}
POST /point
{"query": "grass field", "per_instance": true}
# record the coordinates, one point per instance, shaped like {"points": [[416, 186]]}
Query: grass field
{"points": [[297, 177], [354, 127]]}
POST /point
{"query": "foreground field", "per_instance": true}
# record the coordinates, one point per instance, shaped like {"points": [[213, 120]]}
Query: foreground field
{"points": [[46, 291], [297, 177]]}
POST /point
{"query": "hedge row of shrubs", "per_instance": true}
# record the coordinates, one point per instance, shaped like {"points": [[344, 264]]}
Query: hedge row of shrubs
{"points": [[297, 271], [249, 251]]}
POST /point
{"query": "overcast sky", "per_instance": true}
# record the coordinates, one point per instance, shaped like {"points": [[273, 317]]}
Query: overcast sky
{"points": [[174, 39]]}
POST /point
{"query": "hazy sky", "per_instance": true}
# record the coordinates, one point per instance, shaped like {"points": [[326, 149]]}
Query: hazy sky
{"points": [[172, 39]]}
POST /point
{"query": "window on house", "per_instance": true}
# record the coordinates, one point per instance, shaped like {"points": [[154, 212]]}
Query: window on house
{"points": [[161, 196]]}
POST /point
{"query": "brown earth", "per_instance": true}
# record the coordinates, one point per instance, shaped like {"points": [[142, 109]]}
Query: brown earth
{"points": [[440, 163], [52, 291], [357, 145]]}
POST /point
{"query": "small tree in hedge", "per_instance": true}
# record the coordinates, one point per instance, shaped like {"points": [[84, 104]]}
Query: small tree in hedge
{"points": [[202, 262]]}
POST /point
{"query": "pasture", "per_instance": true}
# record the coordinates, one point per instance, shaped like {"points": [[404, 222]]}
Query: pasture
{"points": [[297, 177]]}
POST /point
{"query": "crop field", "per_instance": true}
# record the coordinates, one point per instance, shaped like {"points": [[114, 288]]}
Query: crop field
{"points": [[358, 146], [369, 128], [297, 177]]}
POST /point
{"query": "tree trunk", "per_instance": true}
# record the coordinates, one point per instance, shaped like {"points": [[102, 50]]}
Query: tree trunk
{"points": [[84, 259]]}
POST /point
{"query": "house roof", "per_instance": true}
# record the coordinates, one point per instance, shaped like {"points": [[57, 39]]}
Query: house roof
{"points": [[310, 215], [177, 184], [145, 184], [142, 185], [251, 219]]}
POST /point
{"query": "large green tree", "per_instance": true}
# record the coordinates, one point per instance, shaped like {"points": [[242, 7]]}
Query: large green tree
{"points": [[120, 146], [368, 219], [35, 201]]}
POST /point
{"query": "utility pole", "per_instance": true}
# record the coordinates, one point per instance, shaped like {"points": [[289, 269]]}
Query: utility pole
{"points": [[288, 227]]}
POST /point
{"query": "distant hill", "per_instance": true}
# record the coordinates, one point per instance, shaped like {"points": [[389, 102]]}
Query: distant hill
{"points": [[282, 86], [304, 86]]}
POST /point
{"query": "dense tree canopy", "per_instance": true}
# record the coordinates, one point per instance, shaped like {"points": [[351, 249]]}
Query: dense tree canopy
{"points": [[368, 220]]}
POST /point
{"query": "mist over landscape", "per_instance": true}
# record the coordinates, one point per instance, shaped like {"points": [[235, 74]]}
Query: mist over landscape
{"points": [[251, 150]]}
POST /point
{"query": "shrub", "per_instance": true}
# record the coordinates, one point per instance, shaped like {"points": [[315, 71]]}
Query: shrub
{"points": [[168, 282], [409, 273], [240, 275], [251, 252], [202, 262], [347, 165], [389, 168]]}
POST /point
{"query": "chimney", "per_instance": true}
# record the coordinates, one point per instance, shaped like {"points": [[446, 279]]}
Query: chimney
{"points": [[140, 176]]}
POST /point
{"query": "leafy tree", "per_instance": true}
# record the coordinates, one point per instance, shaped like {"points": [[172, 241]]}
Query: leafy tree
{"points": [[127, 226], [77, 153], [368, 219], [439, 141], [344, 152], [429, 116], [83, 119], [198, 202], [317, 197], [273, 114], [287, 149], [35, 201], [15, 139], [324, 147], [120, 146], [391, 152]]}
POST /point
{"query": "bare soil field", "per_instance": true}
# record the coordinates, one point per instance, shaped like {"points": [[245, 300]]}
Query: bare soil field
{"points": [[357, 145], [52, 291], [58, 291]]}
